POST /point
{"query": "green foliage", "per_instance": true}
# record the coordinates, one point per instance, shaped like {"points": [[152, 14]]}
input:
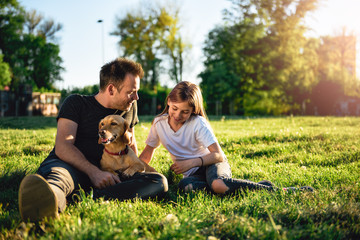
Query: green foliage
{"points": [[11, 24], [258, 58], [151, 36], [292, 151], [87, 90], [5, 74], [260, 62], [41, 61], [26, 43], [337, 61], [224, 77], [146, 97]]}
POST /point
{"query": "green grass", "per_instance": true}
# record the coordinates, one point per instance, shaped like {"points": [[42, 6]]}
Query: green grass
{"points": [[323, 152]]}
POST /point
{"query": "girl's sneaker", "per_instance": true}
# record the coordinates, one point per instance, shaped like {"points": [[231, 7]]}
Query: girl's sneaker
{"points": [[294, 189], [267, 183]]}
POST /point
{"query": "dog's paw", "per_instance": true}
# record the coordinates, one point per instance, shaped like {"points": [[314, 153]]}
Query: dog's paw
{"points": [[132, 170], [150, 169]]}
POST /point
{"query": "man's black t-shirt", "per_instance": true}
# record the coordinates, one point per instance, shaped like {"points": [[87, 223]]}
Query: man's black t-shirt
{"points": [[87, 112]]}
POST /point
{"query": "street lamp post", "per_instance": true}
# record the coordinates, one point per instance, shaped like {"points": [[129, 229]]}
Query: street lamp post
{"points": [[102, 39]]}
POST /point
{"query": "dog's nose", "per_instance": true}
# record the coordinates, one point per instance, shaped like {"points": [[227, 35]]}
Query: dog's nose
{"points": [[101, 132]]}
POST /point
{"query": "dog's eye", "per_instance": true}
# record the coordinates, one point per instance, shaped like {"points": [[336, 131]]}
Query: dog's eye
{"points": [[113, 123], [102, 124]]}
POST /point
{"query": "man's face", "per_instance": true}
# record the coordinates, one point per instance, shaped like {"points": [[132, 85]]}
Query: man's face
{"points": [[127, 93]]}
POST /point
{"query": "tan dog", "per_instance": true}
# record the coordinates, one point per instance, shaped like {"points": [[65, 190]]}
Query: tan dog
{"points": [[117, 155]]}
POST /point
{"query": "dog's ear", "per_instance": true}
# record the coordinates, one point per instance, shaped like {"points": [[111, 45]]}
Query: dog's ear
{"points": [[127, 135], [126, 125], [99, 140]]}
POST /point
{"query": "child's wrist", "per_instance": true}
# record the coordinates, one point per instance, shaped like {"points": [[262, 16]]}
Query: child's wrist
{"points": [[201, 161]]}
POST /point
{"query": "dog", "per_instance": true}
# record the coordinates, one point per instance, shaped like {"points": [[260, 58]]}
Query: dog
{"points": [[117, 156]]}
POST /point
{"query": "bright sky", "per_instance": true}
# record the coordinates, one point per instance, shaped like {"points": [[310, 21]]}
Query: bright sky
{"points": [[81, 37]]}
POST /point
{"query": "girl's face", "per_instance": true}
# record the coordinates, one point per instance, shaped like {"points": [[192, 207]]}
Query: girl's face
{"points": [[179, 112]]}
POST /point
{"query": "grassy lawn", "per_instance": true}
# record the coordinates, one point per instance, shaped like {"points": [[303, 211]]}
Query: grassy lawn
{"points": [[323, 152]]}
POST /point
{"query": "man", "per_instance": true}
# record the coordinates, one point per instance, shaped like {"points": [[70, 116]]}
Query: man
{"points": [[75, 159]]}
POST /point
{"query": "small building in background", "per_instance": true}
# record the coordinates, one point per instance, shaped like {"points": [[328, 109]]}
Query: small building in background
{"points": [[27, 103], [45, 104], [348, 106]]}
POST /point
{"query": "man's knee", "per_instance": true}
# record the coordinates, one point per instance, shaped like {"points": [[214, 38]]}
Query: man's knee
{"points": [[60, 174], [163, 182], [218, 186], [157, 179], [61, 178]]}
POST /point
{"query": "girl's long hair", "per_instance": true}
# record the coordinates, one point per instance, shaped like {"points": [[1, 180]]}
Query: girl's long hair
{"points": [[186, 91]]}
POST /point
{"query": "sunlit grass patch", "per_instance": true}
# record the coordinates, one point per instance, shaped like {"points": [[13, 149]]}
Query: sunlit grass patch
{"points": [[322, 152]]}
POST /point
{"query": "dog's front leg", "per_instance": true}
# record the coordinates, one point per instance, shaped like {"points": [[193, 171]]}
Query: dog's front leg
{"points": [[130, 171]]}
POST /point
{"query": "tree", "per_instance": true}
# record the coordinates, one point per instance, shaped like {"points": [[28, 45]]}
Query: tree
{"points": [[29, 47], [139, 38], [337, 61], [264, 53], [336, 73], [11, 25], [231, 55], [290, 55], [42, 62], [173, 45], [5, 74], [37, 25], [150, 36], [41, 56], [220, 81]]}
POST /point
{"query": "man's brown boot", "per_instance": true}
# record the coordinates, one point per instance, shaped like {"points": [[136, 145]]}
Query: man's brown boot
{"points": [[36, 199]]}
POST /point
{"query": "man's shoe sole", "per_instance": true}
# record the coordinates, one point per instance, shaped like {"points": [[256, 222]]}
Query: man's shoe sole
{"points": [[36, 199]]}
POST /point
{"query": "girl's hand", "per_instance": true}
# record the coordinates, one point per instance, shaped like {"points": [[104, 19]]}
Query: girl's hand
{"points": [[182, 166]]}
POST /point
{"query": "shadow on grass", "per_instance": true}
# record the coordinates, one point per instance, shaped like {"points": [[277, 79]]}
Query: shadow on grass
{"points": [[10, 183], [10, 221], [274, 138], [9, 186], [36, 122]]}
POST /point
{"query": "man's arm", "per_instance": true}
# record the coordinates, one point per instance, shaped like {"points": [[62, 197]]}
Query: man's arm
{"points": [[66, 151], [133, 143]]}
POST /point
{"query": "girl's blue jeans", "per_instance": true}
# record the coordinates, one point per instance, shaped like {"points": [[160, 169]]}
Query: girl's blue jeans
{"points": [[204, 176]]}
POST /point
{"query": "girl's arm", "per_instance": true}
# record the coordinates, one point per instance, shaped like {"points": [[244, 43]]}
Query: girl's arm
{"points": [[213, 157], [147, 154]]}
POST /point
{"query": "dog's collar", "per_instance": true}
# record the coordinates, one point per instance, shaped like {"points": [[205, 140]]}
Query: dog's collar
{"points": [[122, 152]]}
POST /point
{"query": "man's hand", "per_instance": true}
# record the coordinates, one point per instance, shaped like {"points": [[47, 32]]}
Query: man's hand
{"points": [[182, 166], [103, 179]]}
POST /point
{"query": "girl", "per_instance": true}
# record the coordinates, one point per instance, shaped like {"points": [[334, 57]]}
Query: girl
{"points": [[183, 130]]}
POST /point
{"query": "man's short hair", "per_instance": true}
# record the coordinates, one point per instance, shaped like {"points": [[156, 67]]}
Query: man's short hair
{"points": [[115, 71]]}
